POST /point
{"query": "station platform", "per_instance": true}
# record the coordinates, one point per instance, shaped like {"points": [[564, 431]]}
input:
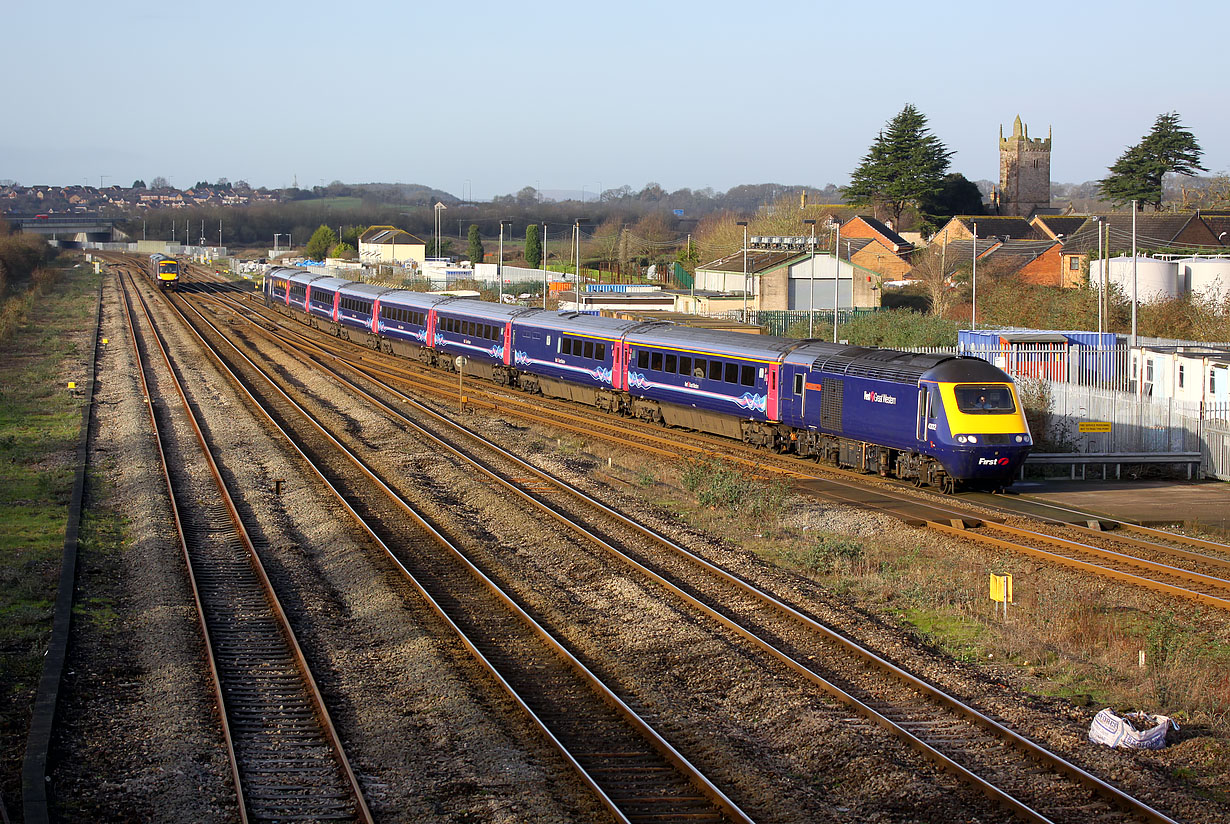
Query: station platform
{"points": [[1202, 504]]}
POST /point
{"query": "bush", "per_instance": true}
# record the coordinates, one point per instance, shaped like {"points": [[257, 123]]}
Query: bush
{"points": [[721, 485], [832, 551]]}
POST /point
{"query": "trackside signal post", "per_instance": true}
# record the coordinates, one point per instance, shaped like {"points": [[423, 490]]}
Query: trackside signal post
{"points": [[1001, 591]]}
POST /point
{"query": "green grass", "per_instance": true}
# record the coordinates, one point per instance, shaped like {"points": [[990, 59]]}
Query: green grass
{"points": [[39, 428]]}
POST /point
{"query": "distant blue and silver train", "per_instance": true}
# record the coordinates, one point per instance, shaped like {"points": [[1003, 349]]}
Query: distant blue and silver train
{"points": [[940, 420]]}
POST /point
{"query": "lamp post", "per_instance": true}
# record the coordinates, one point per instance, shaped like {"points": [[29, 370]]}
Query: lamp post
{"points": [[545, 276], [811, 279], [837, 278], [743, 223], [439, 207], [1102, 269], [576, 238], [973, 318], [499, 264], [1134, 284]]}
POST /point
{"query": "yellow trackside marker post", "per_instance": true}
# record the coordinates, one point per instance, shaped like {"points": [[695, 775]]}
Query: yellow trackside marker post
{"points": [[1001, 591], [72, 384]]}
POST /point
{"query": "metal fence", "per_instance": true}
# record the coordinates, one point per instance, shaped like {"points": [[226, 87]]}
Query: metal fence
{"points": [[778, 321]]}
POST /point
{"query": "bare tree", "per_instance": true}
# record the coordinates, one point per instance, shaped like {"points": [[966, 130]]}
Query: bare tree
{"points": [[934, 272]]}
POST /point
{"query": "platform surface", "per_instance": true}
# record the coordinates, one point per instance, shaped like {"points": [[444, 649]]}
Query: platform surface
{"points": [[1150, 502]]}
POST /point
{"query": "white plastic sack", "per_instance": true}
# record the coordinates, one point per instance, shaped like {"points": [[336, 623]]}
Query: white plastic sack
{"points": [[1134, 731]]}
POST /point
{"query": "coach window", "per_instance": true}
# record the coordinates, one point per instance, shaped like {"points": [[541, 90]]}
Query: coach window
{"points": [[747, 375], [600, 352], [565, 346], [732, 373], [685, 365], [589, 349], [655, 361], [672, 364], [715, 370], [642, 359]]}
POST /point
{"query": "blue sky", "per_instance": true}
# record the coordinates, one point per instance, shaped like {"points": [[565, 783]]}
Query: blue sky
{"points": [[483, 98]]}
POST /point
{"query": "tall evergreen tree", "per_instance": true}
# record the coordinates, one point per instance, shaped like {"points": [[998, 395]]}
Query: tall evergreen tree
{"points": [[904, 165], [533, 246], [474, 249], [322, 240], [1138, 173]]}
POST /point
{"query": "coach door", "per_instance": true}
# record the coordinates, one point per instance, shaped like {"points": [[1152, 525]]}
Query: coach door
{"points": [[617, 364], [507, 336], [771, 409]]}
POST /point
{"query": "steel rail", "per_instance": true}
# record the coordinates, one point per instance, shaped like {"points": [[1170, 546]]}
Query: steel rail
{"points": [[655, 739], [1023, 744], [333, 740]]}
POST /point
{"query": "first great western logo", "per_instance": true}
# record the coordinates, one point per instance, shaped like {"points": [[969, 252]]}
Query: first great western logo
{"points": [[880, 397]]}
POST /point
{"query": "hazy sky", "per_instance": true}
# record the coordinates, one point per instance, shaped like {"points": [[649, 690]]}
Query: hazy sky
{"points": [[482, 98]]}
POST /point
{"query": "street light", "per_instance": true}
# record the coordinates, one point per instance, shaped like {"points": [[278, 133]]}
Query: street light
{"points": [[576, 234], [973, 316], [811, 278], [439, 207], [837, 276], [545, 276], [499, 266], [743, 223]]}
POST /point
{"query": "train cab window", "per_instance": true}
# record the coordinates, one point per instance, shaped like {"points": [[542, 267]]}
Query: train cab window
{"points": [[642, 359], [655, 361], [685, 365], [589, 349], [747, 375], [715, 370], [933, 402], [974, 399], [798, 384], [672, 364], [600, 351], [732, 373]]}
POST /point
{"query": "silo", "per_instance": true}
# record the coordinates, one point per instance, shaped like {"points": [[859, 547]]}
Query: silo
{"points": [[1155, 279], [1207, 277]]}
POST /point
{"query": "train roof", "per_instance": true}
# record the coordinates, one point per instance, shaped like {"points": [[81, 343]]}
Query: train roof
{"points": [[329, 283], [577, 323], [894, 364], [296, 275], [482, 309], [369, 291], [717, 341], [409, 299]]}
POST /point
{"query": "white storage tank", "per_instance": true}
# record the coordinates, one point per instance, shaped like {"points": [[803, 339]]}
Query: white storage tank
{"points": [[1207, 277], [1155, 279]]}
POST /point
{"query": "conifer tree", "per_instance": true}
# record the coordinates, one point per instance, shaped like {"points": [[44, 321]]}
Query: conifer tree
{"points": [[474, 248], [1138, 173], [905, 164]]}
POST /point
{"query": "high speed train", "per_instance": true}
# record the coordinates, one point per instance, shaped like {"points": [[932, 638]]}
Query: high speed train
{"points": [[164, 271], [948, 421]]}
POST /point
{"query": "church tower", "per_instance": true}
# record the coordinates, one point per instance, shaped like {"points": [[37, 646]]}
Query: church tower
{"points": [[1024, 171]]}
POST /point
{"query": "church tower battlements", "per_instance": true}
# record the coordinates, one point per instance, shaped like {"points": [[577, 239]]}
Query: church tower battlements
{"points": [[1024, 171]]}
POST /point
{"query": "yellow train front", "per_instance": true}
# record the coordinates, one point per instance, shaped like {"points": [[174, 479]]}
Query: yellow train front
{"points": [[164, 271]]}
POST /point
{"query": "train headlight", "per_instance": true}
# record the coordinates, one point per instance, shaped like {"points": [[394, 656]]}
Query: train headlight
{"points": [[1020, 439], [961, 439]]}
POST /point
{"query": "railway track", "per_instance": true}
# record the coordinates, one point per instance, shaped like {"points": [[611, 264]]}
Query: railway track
{"points": [[633, 770], [287, 761], [1156, 563], [1032, 782]]}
